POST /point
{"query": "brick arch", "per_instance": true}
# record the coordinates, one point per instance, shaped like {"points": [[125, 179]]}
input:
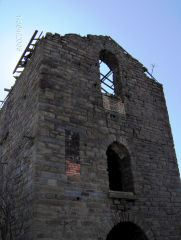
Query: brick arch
{"points": [[122, 217]]}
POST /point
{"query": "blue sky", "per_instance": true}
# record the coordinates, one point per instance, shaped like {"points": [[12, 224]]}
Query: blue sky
{"points": [[150, 30]]}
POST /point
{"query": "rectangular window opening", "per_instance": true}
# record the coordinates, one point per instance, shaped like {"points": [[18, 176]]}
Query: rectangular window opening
{"points": [[72, 153]]}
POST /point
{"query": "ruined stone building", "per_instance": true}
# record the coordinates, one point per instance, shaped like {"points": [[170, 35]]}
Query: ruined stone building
{"points": [[91, 152]]}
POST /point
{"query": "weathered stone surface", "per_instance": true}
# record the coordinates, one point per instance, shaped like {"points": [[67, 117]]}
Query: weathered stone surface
{"points": [[59, 96]]}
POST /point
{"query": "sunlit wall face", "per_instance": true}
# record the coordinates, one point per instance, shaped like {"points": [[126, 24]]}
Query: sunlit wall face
{"points": [[149, 30]]}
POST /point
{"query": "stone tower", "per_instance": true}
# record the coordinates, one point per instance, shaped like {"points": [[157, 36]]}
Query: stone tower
{"points": [[88, 163]]}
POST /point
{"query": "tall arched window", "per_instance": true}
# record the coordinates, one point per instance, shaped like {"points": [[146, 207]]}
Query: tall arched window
{"points": [[108, 72], [119, 168]]}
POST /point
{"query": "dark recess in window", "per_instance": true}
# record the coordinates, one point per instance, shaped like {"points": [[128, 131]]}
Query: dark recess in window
{"points": [[119, 168]]}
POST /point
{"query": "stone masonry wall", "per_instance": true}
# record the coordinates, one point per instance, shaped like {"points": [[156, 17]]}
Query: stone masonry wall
{"points": [[71, 124], [80, 206], [18, 124]]}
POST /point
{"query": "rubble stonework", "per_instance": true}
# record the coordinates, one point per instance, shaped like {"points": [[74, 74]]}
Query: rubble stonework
{"points": [[56, 117]]}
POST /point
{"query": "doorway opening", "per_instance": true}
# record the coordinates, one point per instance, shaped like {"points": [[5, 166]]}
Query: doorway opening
{"points": [[126, 231]]}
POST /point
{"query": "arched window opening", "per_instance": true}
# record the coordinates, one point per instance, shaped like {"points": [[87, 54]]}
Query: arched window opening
{"points": [[126, 231], [109, 73], [119, 168], [106, 77]]}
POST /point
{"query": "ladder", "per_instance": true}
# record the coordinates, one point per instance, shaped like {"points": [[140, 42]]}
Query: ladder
{"points": [[27, 54]]}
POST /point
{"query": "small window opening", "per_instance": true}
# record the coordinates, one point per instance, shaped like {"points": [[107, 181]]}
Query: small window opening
{"points": [[109, 73], [119, 168]]}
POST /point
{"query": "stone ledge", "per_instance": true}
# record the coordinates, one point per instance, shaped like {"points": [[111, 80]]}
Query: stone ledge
{"points": [[122, 195]]}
